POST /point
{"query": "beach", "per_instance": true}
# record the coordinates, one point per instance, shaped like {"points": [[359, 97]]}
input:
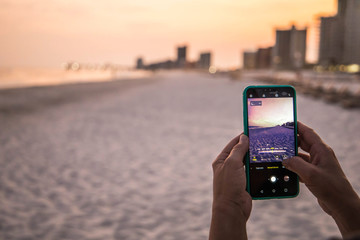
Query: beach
{"points": [[131, 159]]}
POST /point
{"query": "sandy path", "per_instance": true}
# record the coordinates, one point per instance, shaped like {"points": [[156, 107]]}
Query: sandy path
{"points": [[115, 162]]}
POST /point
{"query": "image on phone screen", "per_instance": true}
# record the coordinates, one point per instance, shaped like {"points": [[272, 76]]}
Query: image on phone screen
{"points": [[271, 129]]}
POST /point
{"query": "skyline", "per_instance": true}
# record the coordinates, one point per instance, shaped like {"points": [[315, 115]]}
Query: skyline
{"points": [[42, 33]]}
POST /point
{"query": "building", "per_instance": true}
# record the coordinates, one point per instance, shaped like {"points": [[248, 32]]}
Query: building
{"points": [[263, 58], [331, 45], [281, 51], [249, 60], [139, 63], [331, 48], [289, 51], [351, 32], [340, 35], [204, 60], [181, 56]]}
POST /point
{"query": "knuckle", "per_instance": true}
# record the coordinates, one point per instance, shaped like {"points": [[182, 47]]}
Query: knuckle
{"points": [[319, 147], [218, 160], [309, 131], [240, 148], [312, 175], [214, 163], [330, 150], [237, 146]]}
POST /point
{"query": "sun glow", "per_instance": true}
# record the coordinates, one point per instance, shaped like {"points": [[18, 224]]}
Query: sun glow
{"points": [[119, 31]]}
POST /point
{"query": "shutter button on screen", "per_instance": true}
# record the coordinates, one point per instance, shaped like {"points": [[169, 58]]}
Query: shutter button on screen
{"points": [[273, 179], [286, 178]]}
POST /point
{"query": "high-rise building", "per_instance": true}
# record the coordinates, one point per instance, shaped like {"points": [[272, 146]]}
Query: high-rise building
{"points": [[181, 56], [352, 32], [139, 63], [205, 60], [340, 35], [263, 57], [249, 60], [289, 51], [331, 45], [260, 59]]}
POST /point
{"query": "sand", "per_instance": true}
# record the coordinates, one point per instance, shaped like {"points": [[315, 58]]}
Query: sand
{"points": [[132, 160]]}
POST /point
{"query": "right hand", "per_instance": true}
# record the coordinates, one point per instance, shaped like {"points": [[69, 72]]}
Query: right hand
{"points": [[322, 174]]}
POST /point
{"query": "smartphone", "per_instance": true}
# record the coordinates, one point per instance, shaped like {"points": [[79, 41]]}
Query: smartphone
{"points": [[271, 125]]}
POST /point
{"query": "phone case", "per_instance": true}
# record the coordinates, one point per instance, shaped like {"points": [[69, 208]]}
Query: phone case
{"points": [[247, 160]]}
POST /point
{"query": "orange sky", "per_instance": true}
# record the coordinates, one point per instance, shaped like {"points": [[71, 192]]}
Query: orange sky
{"points": [[47, 33]]}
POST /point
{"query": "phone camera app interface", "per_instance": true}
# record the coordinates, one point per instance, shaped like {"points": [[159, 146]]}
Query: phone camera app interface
{"points": [[271, 128]]}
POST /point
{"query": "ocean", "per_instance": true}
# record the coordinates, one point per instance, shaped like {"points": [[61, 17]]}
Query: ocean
{"points": [[14, 77]]}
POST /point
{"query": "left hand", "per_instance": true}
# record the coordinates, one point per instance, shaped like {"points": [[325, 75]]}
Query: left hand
{"points": [[229, 184]]}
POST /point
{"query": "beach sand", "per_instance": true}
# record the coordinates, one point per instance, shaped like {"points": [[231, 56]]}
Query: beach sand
{"points": [[132, 160]]}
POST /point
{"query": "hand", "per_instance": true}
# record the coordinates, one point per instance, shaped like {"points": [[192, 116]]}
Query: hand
{"points": [[231, 202], [322, 174]]}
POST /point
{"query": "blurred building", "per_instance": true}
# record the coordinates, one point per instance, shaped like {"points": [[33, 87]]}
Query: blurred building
{"points": [[289, 51], [139, 63], [340, 35], [181, 56], [204, 60], [263, 58], [168, 64], [352, 32], [331, 45], [249, 60]]}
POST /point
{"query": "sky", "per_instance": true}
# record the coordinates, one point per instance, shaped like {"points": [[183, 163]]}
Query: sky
{"points": [[46, 33], [272, 112]]}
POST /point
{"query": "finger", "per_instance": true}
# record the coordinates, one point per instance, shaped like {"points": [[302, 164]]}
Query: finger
{"points": [[300, 179], [301, 167], [238, 152], [226, 151], [304, 156], [307, 137], [298, 140]]}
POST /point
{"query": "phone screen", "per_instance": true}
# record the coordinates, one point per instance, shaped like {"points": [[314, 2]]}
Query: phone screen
{"points": [[272, 135]]}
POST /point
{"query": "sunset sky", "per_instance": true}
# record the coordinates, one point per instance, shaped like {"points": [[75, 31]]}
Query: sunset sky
{"points": [[50, 32], [272, 112]]}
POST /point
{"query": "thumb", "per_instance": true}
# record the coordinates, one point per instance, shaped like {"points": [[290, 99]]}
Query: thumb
{"points": [[300, 167]]}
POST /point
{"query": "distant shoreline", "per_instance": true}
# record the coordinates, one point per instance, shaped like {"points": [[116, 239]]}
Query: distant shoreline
{"points": [[31, 77], [22, 100]]}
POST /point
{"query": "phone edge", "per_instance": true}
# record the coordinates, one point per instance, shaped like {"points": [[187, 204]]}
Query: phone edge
{"points": [[245, 124]]}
